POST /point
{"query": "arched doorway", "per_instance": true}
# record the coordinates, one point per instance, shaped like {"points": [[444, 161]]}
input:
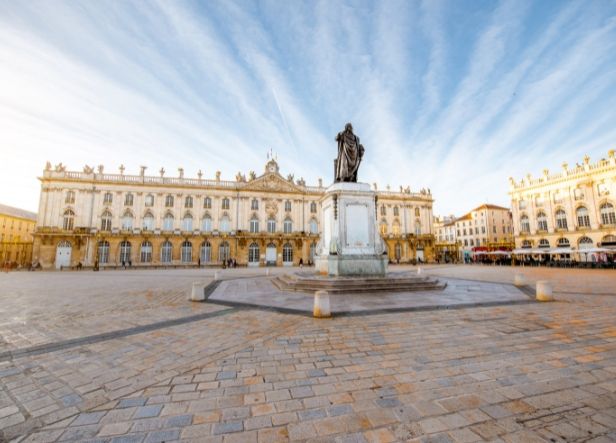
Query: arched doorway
{"points": [[63, 254], [253, 254], [224, 252], [270, 254], [287, 255]]}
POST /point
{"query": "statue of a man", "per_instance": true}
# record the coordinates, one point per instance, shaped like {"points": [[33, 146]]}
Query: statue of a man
{"points": [[350, 153]]}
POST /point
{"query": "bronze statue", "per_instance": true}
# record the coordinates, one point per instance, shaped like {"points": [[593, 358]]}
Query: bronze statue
{"points": [[350, 153]]}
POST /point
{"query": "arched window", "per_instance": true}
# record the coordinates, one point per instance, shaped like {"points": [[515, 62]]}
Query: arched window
{"points": [[383, 226], [225, 203], [70, 197], [313, 208], [287, 253], [395, 228], [127, 221], [314, 226], [224, 252], [271, 225], [253, 253], [396, 211], [524, 224], [206, 252], [225, 224], [583, 218], [383, 210], [68, 220], [542, 222], [106, 221], [149, 201], [578, 194], [103, 252], [146, 252], [287, 206], [607, 214], [254, 205], [188, 202], [108, 198], [417, 227], [148, 222], [416, 212], [287, 226], [543, 243], [125, 252], [207, 203], [128, 199], [526, 244], [186, 252], [561, 219], [169, 201], [608, 240], [168, 222], [585, 243], [562, 243], [187, 222], [254, 224], [166, 252], [206, 224]]}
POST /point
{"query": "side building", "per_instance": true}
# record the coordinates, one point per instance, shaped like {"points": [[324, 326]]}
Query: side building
{"points": [[572, 209], [16, 229], [446, 247], [93, 217], [486, 228]]}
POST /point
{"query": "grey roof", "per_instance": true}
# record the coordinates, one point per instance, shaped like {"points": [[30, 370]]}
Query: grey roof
{"points": [[16, 212]]}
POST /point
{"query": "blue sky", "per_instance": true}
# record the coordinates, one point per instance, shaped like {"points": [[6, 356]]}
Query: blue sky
{"points": [[454, 96]]}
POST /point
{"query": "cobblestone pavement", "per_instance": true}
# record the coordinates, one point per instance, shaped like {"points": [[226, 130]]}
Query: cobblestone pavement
{"points": [[538, 372]]}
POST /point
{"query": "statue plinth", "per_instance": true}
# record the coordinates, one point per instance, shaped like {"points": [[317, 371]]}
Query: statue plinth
{"points": [[350, 241]]}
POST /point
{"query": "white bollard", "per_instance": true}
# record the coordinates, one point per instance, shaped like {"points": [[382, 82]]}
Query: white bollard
{"points": [[418, 270], [198, 291], [544, 291], [519, 280], [215, 275], [267, 271], [321, 305]]}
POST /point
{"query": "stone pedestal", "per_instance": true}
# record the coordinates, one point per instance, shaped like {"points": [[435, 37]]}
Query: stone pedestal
{"points": [[350, 241]]}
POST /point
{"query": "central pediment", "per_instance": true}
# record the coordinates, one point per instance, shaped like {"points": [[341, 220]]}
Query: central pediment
{"points": [[272, 182]]}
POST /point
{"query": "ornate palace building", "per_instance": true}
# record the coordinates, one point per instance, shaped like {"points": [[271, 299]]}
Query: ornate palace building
{"points": [[572, 209], [16, 228], [93, 217]]}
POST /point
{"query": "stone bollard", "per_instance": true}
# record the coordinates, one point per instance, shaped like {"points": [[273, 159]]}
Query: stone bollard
{"points": [[418, 270], [544, 291], [267, 272], [215, 275], [321, 305], [198, 291], [519, 280]]}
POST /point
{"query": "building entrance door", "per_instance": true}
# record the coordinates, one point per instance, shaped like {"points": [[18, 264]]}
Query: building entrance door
{"points": [[63, 254], [270, 255]]}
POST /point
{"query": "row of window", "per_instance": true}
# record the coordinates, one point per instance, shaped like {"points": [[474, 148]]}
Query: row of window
{"points": [[558, 198], [606, 211], [583, 242], [188, 201], [148, 223], [396, 211], [396, 227], [186, 252]]}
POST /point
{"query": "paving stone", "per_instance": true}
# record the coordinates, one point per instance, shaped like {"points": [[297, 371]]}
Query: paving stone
{"points": [[227, 427], [148, 411]]}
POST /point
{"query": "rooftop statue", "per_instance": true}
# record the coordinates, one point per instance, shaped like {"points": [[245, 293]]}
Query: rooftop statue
{"points": [[350, 153]]}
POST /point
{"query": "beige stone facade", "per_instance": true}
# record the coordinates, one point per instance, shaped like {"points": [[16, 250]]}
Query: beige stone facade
{"points": [[93, 217], [16, 229], [573, 208], [487, 227], [447, 248]]}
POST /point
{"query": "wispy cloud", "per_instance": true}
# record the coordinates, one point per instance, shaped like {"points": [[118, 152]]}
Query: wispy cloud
{"points": [[447, 95]]}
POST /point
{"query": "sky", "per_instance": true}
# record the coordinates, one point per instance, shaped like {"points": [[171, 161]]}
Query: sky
{"points": [[455, 96]]}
